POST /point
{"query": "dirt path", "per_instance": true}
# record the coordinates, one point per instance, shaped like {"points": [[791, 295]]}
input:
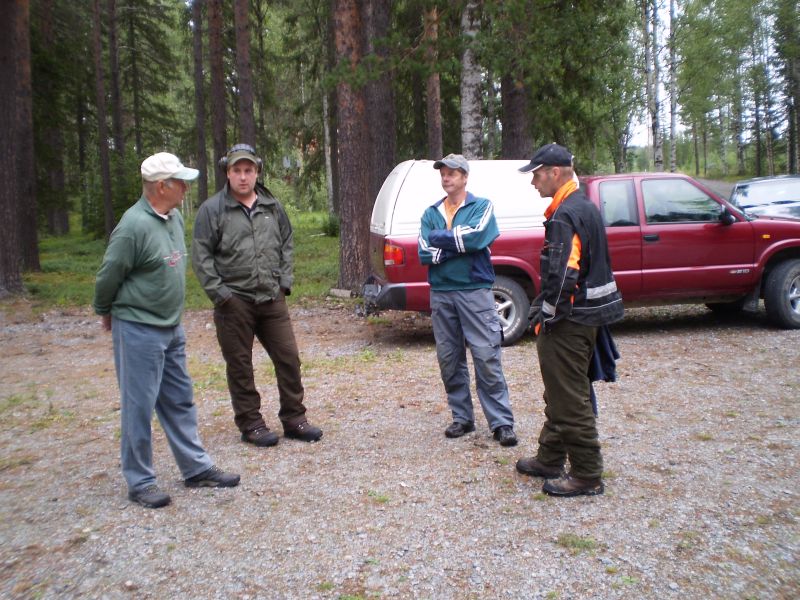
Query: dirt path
{"points": [[699, 435]]}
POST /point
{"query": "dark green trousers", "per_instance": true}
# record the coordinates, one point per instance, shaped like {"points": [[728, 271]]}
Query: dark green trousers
{"points": [[570, 428]]}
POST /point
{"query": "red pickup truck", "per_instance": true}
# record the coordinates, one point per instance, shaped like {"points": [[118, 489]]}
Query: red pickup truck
{"points": [[671, 241]]}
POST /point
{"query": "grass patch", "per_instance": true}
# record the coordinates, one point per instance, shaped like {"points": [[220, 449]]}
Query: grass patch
{"points": [[576, 544], [689, 539], [12, 462], [704, 437], [70, 263], [378, 497], [15, 400]]}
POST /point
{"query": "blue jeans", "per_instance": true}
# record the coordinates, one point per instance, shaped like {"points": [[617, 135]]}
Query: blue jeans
{"points": [[152, 375], [469, 318]]}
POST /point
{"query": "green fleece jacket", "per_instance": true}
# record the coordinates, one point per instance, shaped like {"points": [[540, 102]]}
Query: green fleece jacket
{"points": [[143, 274]]}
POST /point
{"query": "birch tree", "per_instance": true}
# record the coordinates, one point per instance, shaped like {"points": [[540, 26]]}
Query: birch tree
{"points": [[471, 85]]}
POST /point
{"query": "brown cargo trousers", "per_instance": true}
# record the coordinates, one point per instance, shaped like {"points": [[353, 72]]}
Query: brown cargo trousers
{"points": [[570, 427], [238, 322]]}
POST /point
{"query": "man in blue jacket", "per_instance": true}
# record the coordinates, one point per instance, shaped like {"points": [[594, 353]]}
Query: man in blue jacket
{"points": [[454, 240]]}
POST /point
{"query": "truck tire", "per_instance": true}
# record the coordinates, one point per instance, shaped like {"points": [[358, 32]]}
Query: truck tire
{"points": [[782, 295], [512, 307]]}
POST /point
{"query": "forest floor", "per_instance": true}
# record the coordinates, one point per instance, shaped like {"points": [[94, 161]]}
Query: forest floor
{"points": [[700, 441]]}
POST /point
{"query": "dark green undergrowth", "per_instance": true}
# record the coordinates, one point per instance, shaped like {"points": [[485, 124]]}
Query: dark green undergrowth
{"points": [[69, 264]]}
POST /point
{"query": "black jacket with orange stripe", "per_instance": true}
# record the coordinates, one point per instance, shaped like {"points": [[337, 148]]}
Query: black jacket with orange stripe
{"points": [[584, 292]]}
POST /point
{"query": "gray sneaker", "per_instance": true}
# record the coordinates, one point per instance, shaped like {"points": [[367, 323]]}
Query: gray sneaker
{"points": [[150, 497]]}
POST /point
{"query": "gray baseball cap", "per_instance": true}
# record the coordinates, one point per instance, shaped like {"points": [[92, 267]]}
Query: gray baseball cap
{"points": [[454, 161]]}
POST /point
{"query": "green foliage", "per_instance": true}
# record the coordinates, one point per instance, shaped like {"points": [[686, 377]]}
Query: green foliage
{"points": [[577, 64], [70, 263]]}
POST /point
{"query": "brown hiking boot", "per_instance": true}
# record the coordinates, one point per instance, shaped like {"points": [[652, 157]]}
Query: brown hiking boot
{"points": [[260, 436], [568, 486], [532, 466], [304, 431]]}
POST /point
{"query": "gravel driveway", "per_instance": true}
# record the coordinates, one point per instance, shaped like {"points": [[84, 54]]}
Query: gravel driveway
{"points": [[700, 439]]}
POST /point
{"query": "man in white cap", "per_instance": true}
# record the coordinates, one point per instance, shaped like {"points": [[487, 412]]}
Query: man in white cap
{"points": [[139, 294]]}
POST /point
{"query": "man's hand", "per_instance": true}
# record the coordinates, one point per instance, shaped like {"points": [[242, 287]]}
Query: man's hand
{"points": [[105, 321]]}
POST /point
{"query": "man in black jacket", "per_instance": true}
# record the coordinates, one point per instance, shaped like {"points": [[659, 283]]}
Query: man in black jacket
{"points": [[578, 294]]}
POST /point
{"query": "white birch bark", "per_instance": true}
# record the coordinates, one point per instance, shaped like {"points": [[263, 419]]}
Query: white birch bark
{"points": [[471, 126]]}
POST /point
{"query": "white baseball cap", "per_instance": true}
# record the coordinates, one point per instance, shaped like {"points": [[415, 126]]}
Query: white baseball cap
{"points": [[164, 165]]}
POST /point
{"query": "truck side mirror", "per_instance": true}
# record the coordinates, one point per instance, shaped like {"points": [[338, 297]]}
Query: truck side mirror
{"points": [[725, 216]]}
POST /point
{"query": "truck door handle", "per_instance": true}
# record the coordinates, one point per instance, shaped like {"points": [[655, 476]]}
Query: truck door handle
{"points": [[651, 237]]}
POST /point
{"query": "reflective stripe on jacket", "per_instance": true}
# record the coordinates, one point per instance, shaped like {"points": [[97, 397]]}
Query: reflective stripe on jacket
{"points": [[587, 294], [459, 257]]}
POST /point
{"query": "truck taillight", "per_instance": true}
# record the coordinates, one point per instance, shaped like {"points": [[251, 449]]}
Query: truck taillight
{"points": [[393, 255]]}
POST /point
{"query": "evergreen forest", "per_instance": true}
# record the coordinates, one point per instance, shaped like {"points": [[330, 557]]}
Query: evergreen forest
{"points": [[334, 93]]}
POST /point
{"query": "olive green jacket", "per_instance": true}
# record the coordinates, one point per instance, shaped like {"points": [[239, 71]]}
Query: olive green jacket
{"points": [[143, 274], [233, 253]]}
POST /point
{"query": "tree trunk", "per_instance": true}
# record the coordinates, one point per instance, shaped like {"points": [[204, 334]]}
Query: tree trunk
{"points": [[673, 90], [696, 150], [381, 116], [244, 73], [199, 100], [54, 196], [433, 93], [723, 146], [218, 111], [260, 94], [516, 140], [102, 129], [327, 126], [471, 114], [352, 150], [136, 87], [738, 123], [81, 134], [757, 132], [23, 128], [655, 75], [116, 96], [10, 252], [705, 150], [120, 172]]}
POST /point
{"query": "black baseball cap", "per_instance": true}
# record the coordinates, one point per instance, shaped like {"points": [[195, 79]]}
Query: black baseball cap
{"points": [[551, 155]]}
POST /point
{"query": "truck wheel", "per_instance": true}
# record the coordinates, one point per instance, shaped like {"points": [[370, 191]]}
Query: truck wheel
{"points": [[782, 295], [512, 307]]}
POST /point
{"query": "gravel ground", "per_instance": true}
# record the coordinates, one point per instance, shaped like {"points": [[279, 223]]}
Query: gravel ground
{"points": [[700, 439]]}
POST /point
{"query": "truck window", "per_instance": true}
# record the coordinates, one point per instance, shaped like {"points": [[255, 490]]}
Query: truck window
{"points": [[677, 201], [618, 203]]}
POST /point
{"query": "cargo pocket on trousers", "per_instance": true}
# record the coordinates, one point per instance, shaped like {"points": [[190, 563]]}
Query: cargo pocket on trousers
{"points": [[494, 330]]}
